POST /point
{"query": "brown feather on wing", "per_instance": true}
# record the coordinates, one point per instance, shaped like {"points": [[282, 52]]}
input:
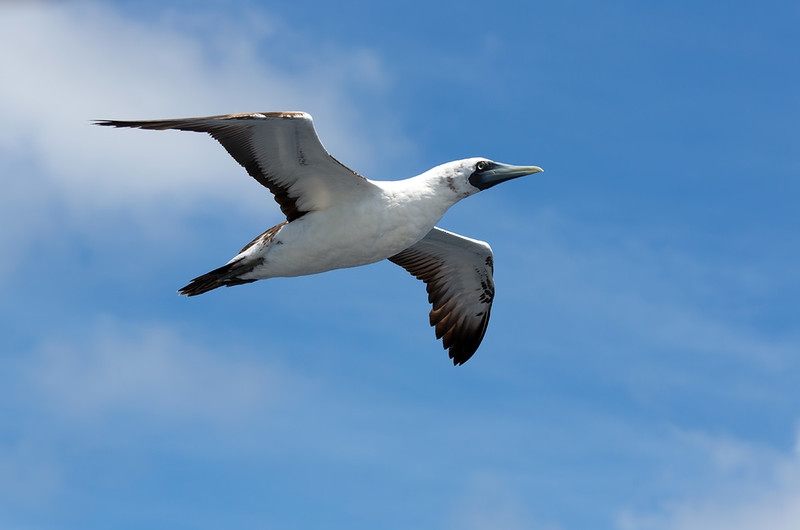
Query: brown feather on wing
{"points": [[457, 272]]}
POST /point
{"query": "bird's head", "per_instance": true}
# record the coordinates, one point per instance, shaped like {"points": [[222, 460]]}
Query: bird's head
{"points": [[485, 173], [469, 176]]}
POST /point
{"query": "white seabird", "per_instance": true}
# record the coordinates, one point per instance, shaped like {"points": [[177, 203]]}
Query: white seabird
{"points": [[335, 218]]}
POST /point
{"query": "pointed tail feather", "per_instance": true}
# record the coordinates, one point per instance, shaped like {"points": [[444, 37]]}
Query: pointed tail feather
{"points": [[226, 275]]}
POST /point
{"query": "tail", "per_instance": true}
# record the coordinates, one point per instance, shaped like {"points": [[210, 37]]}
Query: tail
{"points": [[226, 275]]}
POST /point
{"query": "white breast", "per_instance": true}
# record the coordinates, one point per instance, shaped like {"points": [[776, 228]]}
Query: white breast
{"points": [[356, 233]]}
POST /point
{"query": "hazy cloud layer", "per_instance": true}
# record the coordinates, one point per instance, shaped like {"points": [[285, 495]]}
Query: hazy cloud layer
{"points": [[66, 64], [71, 63], [757, 488]]}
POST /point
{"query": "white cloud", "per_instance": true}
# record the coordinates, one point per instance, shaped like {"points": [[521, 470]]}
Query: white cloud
{"points": [[133, 391], [490, 502], [757, 489], [65, 64], [666, 300], [150, 372], [28, 474]]}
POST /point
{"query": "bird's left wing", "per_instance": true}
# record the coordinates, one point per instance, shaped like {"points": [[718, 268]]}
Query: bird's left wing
{"points": [[281, 150], [457, 272]]}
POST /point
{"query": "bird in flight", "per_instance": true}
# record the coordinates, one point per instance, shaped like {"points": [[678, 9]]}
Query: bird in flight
{"points": [[335, 218]]}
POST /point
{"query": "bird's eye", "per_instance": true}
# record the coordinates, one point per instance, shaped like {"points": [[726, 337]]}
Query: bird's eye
{"points": [[480, 166]]}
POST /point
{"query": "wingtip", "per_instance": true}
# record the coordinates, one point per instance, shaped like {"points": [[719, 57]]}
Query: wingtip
{"points": [[459, 357], [115, 123]]}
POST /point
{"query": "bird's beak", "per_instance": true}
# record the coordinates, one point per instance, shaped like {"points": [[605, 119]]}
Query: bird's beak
{"points": [[495, 173]]}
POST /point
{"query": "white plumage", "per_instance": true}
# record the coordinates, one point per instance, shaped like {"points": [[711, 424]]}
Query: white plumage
{"points": [[336, 218]]}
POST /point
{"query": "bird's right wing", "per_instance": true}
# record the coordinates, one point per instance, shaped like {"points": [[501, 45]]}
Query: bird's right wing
{"points": [[457, 272], [281, 150]]}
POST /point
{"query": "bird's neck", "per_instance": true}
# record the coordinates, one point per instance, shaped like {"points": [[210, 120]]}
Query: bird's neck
{"points": [[426, 194]]}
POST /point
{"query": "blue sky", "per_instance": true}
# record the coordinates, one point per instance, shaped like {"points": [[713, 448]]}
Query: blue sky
{"points": [[640, 369]]}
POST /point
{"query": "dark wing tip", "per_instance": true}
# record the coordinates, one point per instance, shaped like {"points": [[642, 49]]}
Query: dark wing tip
{"points": [[109, 123], [138, 124], [469, 341], [460, 357], [462, 354]]}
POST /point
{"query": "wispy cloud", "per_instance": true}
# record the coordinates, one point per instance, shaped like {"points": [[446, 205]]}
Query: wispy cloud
{"points": [[488, 501], [29, 475], [757, 488], [629, 292], [113, 392], [150, 372], [73, 63], [65, 64]]}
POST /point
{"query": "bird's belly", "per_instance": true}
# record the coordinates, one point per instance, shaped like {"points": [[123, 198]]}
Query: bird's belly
{"points": [[323, 241]]}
